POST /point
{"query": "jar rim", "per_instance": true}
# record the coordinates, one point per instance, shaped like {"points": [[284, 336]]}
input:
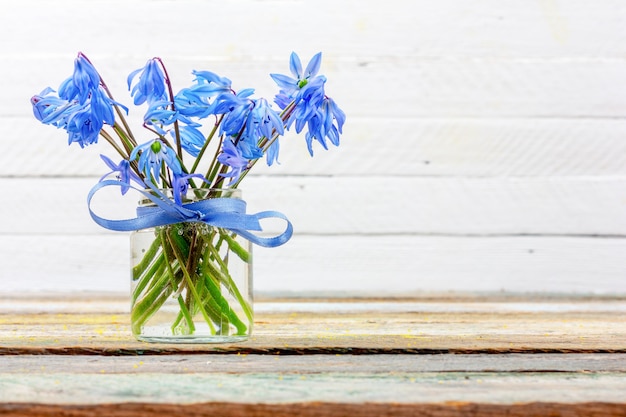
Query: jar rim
{"points": [[194, 194]]}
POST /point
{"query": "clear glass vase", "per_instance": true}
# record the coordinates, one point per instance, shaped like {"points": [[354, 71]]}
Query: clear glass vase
{"points": [[191, 282]]}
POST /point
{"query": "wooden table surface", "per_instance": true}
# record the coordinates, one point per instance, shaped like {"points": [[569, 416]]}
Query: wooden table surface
{"points": [[74, 356]]}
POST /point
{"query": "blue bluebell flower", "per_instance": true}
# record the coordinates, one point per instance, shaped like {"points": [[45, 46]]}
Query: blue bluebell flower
{"points": [[160, 113], [312, 109], [124, 173], [308, 100], [82, 83], [271, 152], [192, 104], [212, 83], [151, 85], [332, 120], [81, 106], [47, 106], [305, 90], [152, 155], [81, 125], [101, 107], [201, 99], [84, 122], [180, 185], [262, 120], [236, 108], [232, 157], [327, 123], [290, 86], [227, 102], [191, 138], [249, 147]]}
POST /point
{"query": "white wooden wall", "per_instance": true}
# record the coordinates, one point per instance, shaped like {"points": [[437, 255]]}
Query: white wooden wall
{"points": [[485, 147]]}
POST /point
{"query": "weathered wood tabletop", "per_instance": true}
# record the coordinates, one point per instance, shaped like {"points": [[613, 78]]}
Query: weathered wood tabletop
{"points": [[402, 357]]}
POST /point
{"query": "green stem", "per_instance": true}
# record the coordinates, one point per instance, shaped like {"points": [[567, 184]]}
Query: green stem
{"points": [[243, 254], [151, 302], [223, 276], [112, 142], [147, 259], [185, 313], [170, 258], [156, 269], [206, 144], [129, 144], [191, 260], [213, 167], [218, 299], [180, 256], [179, 149], [118, 111]]}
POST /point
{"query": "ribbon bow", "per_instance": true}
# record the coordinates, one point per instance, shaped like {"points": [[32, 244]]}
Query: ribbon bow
{"points": [[226, 213]]}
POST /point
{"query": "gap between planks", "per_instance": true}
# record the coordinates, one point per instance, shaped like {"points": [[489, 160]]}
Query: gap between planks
{"points": [[318, 409]]}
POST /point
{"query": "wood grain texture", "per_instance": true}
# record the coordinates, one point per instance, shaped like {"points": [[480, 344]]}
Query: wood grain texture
{"points": [[309, 364], [581, 326], [319, 409], [276, 387], [314, 357]]}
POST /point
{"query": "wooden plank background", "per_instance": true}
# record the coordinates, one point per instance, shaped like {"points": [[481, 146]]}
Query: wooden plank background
{"points": [[485, 147]]}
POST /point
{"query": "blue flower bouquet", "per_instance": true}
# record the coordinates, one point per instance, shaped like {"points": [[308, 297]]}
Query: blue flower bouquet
{"points": [[191, 238]]}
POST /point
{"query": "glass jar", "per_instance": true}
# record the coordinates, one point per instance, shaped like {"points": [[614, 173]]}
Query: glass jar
{"points": [[191, 282]]}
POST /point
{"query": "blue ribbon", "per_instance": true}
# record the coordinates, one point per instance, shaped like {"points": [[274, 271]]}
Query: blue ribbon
{"points": [[226, 213]]}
